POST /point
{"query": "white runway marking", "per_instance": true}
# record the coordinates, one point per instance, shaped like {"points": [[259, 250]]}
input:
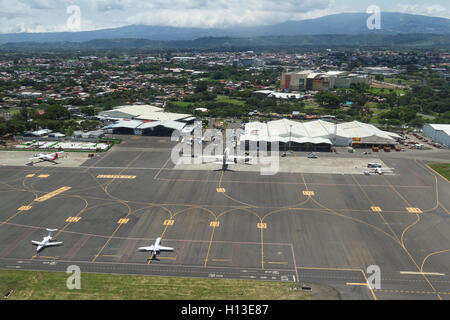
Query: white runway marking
{"points": [[423, 273]]}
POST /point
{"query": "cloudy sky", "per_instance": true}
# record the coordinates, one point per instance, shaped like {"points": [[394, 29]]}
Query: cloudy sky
{"points": [[53, 15]]}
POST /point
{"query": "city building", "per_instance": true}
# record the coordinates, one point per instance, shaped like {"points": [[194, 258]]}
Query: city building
{"points": [[248, 62], [380, 71], [311, 80], [277, 95]]}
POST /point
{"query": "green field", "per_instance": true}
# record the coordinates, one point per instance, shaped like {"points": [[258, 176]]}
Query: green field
{"points": [[14, 111], [408, 82], [230, 100], [35, 285], [182, 103], [442, 168], [380, 91]]}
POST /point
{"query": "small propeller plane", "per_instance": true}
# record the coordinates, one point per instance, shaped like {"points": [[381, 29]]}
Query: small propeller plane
{"points": [[378, 171], [51, 157], [155, 248], [225, 159], [376, 168], [46, 241]]}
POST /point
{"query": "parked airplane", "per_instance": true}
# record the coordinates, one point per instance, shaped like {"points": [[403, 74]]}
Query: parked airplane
{"points": [[377, 170], [51, 157], [46, 241], [187, 141], [225, 159], [155, 248]]}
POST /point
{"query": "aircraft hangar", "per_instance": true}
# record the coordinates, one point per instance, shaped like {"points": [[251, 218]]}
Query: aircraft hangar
{"points": [[315, 135]]}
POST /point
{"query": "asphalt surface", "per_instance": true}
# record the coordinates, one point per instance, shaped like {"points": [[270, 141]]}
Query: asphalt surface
{"points": [[235, 224]]}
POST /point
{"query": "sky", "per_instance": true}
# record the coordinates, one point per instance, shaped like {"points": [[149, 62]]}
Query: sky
{"points": [[54, 16]]}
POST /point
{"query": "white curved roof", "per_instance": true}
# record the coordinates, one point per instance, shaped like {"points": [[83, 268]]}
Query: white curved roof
{"points": [[317, 131], [143, 112]]}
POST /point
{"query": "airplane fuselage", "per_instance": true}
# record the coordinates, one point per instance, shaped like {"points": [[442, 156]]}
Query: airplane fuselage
{"points": [[46, 241], [156, 247]]}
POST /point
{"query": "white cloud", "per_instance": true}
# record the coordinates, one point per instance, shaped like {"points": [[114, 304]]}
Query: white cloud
{"points": [[435, 10], [51, 15], [225, 13]]}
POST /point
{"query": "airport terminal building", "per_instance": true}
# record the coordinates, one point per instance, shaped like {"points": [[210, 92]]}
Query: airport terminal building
{"points": [[315, 135]]}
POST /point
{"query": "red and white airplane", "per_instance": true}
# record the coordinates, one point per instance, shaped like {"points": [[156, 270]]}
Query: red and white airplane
{"points": [[51, 157]]}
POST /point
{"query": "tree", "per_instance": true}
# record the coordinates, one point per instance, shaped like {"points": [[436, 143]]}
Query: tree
{"points": [[325, 97], [201, 87], [56, 112], [89, 111], [411, 68]]}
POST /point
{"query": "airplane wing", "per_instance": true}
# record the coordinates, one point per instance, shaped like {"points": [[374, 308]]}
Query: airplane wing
{"points": [[34, 158], [216, 157], [151, 248], [53, 243], [239, 158], [165, 248], [36, 242], [212, 159], [221, 162]]}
